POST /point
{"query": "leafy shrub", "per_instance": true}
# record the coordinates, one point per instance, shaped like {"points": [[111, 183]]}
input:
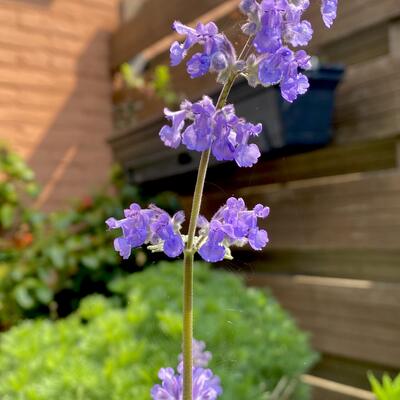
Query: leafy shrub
{"points": [[112, 348], [69, 254], [389, 389]]}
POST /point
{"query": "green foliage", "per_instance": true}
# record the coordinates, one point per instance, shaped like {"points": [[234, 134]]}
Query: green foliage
{"points": [[389, 389], [68, 255], [160, 84], [107, 351], [16, 182], [163, 87]]}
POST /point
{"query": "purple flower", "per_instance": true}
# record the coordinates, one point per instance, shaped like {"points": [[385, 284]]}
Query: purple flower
{"points": [[233, 224], [282, 67], [206, 386], [328, 11], [171, 135], [218, 54], [208, 128], [148, 226]]}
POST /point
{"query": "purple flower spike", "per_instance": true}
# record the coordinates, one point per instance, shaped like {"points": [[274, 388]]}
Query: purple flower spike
{"points": [[151, 226], [328, 11], [276, 25], [233, 224]]}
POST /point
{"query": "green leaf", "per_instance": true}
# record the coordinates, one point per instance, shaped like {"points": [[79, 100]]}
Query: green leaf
{"points": [[57, 256], [32, 189], [44, 294], [23, 297], [90, 261]]}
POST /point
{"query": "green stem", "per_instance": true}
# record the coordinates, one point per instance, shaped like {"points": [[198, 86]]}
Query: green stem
{"points": [[189, 252]]}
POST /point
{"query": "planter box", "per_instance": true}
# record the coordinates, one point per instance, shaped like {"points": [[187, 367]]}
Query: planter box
{"points": [[304, 124]]}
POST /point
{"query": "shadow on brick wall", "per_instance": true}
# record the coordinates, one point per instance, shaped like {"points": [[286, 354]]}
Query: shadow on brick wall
{"points": [[73, 156]]}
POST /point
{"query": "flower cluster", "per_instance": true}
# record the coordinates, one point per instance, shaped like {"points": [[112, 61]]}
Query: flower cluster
{"points": [[276, 24], [206, 386], [148, 226], [218, 54], [233, 224], [219, 130]]}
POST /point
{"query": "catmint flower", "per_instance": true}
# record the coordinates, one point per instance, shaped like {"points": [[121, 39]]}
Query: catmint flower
{"points": [[233, 224], [206, 386], [152, 226], [218, 53], [222, 131], [282, 67], [201, 357]]}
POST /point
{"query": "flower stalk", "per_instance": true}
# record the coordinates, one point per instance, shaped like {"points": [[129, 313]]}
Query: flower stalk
{"points": [[189, 251]]}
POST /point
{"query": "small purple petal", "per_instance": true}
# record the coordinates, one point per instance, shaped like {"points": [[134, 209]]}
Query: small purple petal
{"points": [[329, 11], [247, 155], [258, 238]]}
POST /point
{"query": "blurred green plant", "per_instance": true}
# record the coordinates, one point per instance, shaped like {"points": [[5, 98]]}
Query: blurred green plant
{"points": [[17, 182], [389, 389], [159, 85], [51, 261], [112, 348]]}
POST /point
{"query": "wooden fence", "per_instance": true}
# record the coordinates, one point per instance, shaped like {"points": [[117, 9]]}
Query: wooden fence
{"points": [[334, 258]]}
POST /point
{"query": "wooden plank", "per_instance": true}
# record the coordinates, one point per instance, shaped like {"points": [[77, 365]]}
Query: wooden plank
{"points": [[372, 155], [376, 265], [359, 47], [353, 16], [365, 107], [150, 23], [357, 327], [352, 211], [348, 371]]}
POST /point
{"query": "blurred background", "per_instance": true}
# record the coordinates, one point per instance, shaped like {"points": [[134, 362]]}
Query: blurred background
{"points": [[82, 87]]}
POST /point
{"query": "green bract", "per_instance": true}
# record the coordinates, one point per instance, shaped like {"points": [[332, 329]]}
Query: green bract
{"points": [[112, 348]]}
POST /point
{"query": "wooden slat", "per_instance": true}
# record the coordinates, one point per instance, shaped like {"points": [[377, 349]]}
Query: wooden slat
{"points": [[362, 46], [372, 155], [345, 317], [377, 265], [353, 16], [349, 372], [353, 211], [365, 106]]}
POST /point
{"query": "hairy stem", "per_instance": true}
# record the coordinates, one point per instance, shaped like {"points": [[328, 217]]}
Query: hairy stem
{"points": [[189, 253]]}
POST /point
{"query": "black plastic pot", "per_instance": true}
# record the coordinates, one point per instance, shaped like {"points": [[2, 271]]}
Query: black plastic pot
{"points": [[293, 127], [307, 122]]}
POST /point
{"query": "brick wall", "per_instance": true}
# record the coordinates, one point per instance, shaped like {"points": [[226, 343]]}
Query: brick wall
{"points": [[55, 91]]}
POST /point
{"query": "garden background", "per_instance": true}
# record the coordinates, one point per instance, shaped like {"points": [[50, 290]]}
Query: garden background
{"points": [[70, 107]]}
